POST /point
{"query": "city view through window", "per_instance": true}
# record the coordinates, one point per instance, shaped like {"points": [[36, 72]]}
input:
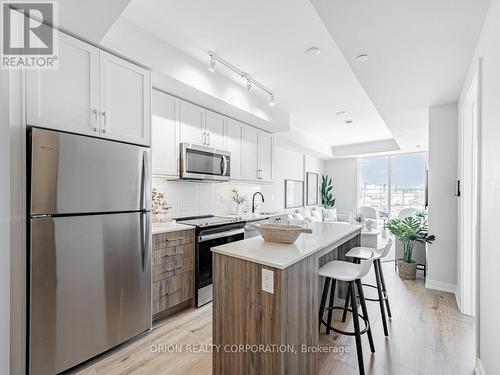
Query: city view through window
{"points": [[391, 183]]}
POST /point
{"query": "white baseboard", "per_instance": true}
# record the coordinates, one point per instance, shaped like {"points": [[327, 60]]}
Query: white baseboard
{"points": [[440, 286], [479, 369]]}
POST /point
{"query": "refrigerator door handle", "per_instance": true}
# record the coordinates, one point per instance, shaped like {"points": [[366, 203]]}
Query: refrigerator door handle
{"points": [[145, 242], [145, 182]]}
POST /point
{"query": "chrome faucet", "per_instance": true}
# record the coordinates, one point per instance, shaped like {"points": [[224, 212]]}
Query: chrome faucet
{"points": [[253, 200]]}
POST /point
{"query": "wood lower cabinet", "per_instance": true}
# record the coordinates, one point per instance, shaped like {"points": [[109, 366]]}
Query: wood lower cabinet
{"points": [[173, 271]]}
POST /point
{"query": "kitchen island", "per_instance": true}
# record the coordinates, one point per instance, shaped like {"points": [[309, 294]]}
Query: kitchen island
{"points": [[266, 301]]}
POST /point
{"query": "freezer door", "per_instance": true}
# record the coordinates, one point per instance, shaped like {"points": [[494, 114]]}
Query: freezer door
{"points": [[90, 286], [78, 174]]}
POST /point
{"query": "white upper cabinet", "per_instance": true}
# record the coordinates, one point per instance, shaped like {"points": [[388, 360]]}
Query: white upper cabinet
{"points": [[125, 100], [215, 130], [235, 147], [91, 92], [266, 158], [251, 153], [66, 98], [192, 118], [165, 134]]}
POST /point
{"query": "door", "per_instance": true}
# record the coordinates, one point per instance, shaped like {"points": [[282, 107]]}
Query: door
{"points": [[468, 202], [77, 174], [235, 147], [125, 100], [215, 127], [90, 286], [192, 119], [66, 98], [165, 134], [251, 152], [265, 156]]}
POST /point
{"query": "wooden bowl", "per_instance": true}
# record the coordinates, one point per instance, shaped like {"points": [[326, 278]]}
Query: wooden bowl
{"points": [[280, 233]]}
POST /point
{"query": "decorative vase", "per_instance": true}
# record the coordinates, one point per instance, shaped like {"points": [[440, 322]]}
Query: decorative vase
{"points": [[407, 271]]}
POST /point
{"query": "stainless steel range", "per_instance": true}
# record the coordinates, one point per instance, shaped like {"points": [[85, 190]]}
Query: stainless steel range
{"points": [[211, 231]]}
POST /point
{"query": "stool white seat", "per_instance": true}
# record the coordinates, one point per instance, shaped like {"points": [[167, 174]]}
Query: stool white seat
{"points": [[362, 252], [374, 255], [345, 271]]}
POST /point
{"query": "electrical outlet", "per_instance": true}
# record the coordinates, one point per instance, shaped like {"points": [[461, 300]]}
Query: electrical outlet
{"points": [[268, 281]]}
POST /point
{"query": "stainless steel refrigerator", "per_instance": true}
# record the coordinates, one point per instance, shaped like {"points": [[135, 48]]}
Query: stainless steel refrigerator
{"points": [[89, 247]]}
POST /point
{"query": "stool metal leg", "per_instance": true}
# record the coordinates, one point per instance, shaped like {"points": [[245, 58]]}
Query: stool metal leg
{"points": [[355, 318], [380, 298], [365, 313], [323, 300], [330, 312], [384, 289], [346, 304]]}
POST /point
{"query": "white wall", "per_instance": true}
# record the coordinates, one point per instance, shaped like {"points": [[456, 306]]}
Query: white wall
{"points": [[344, 173], [489, 181], [4, 224], [442, 164]]}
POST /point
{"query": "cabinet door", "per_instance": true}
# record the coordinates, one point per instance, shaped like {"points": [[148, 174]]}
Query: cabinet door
{"points": [[125, 100], [251, 152], [265, 156], [165, 134], [192, 120], [66, 98], [215, 127], [235, 147]]}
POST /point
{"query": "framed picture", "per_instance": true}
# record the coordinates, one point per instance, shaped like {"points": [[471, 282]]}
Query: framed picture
{"points": [[312, 188], [294, 193]]}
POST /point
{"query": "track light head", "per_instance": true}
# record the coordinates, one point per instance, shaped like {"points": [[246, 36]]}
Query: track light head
{"points": [[271, 100], [211, 65]]}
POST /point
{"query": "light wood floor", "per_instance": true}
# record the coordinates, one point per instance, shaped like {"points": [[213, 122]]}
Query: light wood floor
{"points": [[427, 335]]}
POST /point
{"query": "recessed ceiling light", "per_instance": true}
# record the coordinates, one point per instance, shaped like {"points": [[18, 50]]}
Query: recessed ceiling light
{"points": [[313, 51], [399, 135], [342, 113], [418, 146], [349, 122], [362, 58]]}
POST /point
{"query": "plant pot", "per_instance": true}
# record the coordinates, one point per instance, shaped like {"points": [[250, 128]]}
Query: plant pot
{"points": [[407, 271]]}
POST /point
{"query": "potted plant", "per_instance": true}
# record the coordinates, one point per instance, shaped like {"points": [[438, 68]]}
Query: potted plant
{"points": [[159, 207], [327, 199], [409, 231], [239, 200]]}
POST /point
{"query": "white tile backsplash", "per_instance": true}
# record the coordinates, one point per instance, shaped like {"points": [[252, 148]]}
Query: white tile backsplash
{"points": [[194, 199]]}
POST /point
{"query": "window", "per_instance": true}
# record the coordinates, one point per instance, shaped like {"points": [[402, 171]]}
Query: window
{"points": [[391, 183]]}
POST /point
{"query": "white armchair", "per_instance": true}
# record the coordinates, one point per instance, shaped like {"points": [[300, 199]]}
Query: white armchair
{"points": [[369, 214], [419, 254]]}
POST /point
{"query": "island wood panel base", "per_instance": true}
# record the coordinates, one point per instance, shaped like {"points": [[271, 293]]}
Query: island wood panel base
{"points": [[245, 315]]}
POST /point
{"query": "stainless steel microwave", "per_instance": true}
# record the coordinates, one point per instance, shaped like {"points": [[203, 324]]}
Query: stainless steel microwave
{"points": [[204, 163]]}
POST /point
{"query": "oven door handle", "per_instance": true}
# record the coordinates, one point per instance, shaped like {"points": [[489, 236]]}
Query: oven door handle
{"points": [[209, 237]]}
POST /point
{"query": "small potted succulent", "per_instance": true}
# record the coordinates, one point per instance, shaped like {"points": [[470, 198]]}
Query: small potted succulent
{"points": [[409, 231], [239, 199]]}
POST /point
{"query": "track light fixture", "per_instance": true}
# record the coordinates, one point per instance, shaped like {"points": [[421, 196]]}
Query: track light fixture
{"points": [[250, 81], [271, 100], [211, 65]]}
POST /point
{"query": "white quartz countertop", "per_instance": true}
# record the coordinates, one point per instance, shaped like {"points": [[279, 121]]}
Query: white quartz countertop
{"points": [[169, 227], [282, 256]]}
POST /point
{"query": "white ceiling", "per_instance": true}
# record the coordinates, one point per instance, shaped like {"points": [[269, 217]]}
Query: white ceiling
{"points": [[419, 53], [268, 39]]}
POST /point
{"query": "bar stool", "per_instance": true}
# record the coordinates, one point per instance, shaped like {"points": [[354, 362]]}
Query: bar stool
{"points": [[363, 253], [352, 274]]}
